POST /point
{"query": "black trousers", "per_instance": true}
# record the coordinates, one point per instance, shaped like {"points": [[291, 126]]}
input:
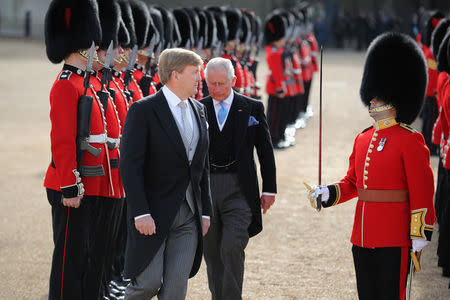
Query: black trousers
{"points": [[381, 273], [83, 239], [278, 116], [430, 113]]}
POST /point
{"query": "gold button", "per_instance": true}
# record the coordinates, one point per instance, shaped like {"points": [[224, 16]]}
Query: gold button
{"points": [[365, 177], [367, 158], [370, 151], [374, 139], [365, 186], [367, 164], [371, 146], [375, 134], [366, 172]]}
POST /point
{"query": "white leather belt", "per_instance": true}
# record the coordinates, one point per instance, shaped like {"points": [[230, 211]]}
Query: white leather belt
{"points": [[115, 142], [98, 138]]}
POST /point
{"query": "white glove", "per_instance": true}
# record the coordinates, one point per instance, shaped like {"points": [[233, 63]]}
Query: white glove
{"points": [[314, 193], [418, 245]]}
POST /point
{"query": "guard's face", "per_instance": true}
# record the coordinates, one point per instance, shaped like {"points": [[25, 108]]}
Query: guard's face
{"points": [[219, 85], [189, 79], [376, 103]]}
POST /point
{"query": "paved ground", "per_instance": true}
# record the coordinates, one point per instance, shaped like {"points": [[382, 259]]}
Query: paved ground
{"points": [[300, 254]]}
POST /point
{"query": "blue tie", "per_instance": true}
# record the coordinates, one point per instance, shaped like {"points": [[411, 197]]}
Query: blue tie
{"points": [[222, 113]]}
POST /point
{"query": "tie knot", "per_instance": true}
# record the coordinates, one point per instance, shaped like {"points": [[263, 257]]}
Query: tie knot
{"points": [[182, 104]]}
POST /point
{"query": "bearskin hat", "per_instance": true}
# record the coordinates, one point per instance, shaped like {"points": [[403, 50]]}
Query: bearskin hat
{"points": [[123, 36], [167, 18], [428, 22], [202, 26], [195, 22], [438, 35], [274, 28], [70, 26], [110, 16], [157, 21], [443, 61], [127, 17], [211, 29], [141, 19], [395, 71], [234, 22], [185, 26], [221, 24]]}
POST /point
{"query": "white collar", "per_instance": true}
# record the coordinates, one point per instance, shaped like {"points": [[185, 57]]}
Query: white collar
{"points": [[172, 99], [228, 101]]}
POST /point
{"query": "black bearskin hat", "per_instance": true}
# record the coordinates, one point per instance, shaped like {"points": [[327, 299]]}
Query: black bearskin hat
{"points": [[123, 36], [202, 26], [438, 36], [110, 16], [167, 18], [274, 28], [127, 17], [211, 28], [185, 27], [221, 24], [395, 71], [141, 19], [157, 21], [234, 21], [443, 62], [70, 26], [428, 22], [195, 22]]}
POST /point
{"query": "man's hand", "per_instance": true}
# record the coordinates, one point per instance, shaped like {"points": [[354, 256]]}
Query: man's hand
{"points": [[266, 202], [145, 225], [72, 202], [206, 222]]}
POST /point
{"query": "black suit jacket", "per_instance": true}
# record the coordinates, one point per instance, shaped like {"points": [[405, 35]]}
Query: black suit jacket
{"points": [[247, 138], [155, 172]]}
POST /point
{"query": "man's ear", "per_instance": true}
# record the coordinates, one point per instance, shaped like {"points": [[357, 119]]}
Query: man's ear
{"points": [[174, 75]]}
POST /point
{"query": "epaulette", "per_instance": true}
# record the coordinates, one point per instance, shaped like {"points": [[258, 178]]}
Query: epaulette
{"points": [[366, 129], [407, 127], [65, 75]]}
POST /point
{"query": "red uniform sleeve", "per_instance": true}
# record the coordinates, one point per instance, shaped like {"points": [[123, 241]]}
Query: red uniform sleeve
{"points": [[419, 176], [63, 117], [275, 78]]}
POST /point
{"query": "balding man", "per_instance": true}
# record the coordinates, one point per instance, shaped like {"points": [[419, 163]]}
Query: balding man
{"points": [[165, 172], [237, 126]]}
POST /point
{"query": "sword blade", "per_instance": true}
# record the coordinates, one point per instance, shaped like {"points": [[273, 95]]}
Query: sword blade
{"points": [[109, 60], [132, 58], [319, 203], [411, 271], [90, 58]]}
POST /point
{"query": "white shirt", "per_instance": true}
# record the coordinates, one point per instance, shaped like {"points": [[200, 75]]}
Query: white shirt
{"points": [[173, 101], [227, 103]]}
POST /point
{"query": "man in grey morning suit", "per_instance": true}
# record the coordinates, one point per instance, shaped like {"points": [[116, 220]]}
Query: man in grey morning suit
{"points": [[237, 126], [165, 172]]}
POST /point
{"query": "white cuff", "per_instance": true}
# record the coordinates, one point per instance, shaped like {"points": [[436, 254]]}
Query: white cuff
{"points": [[141, 216], [268, 194], [206, 217]]}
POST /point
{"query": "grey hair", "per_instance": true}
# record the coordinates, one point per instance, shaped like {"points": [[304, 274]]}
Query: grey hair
{"points": [[220, 63]]}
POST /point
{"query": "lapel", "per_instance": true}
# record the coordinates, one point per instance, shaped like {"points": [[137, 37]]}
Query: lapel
{"points": [[165, 116], [202, 131], [242, 113]]}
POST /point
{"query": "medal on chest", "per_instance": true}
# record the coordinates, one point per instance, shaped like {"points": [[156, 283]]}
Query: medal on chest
{"points": [[381, 144]]}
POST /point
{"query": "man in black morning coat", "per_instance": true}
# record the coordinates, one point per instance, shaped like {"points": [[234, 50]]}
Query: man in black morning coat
{"points": [[165, 172]]}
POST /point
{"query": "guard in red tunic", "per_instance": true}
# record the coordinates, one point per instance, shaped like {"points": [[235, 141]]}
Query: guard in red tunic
{"points": [[389, 171], [78, 180]]}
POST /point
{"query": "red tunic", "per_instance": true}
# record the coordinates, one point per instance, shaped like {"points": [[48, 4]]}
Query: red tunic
{"points": [[62, 172], [306, 60], [401, 163], [120, 101], [134, 86], [275, 78], [314, 50], [432, 72], [440, 128], [113, 128], [238, 71], [445, 123]]}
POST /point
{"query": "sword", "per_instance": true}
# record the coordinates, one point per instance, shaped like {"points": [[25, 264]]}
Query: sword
{"points": [[129, 69], [319, 204], [151, 48], [89, 68], [109, 61]]}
